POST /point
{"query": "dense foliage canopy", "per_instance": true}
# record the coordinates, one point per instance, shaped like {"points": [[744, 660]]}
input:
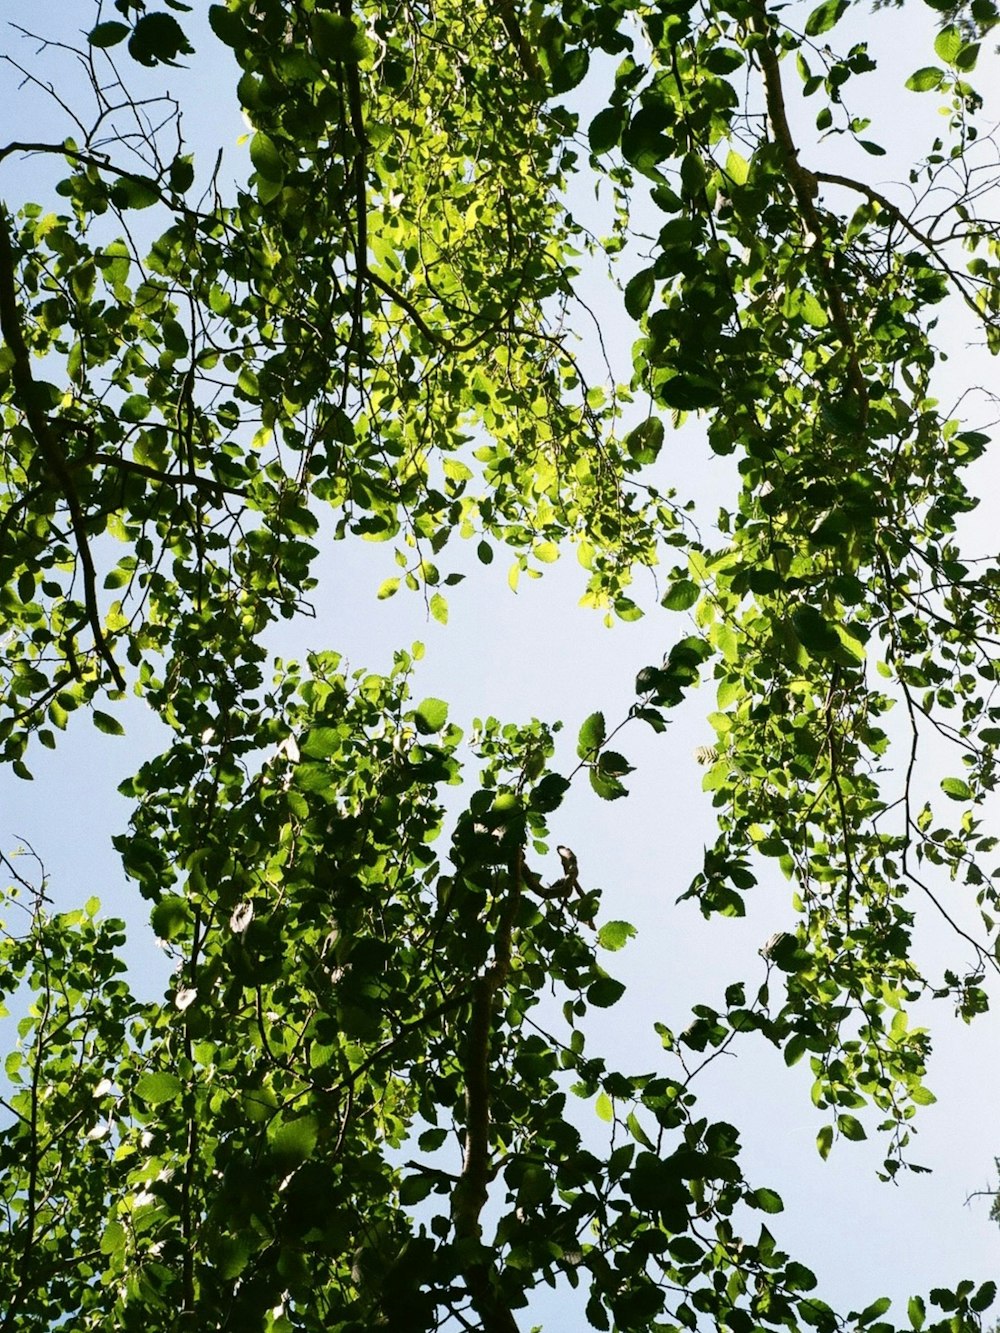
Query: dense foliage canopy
{"points": [[354, 1108]]}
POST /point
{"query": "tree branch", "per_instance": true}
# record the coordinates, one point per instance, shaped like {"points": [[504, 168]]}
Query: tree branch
{"points": [[169, 478], [804, 187], [509, 19], [898, 216], [472, 1187], [30, 403]]}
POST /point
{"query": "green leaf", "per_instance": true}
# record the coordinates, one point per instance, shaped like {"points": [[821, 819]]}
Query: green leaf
{"points": [[604, 992], [135, 192], [259, 1104], [917, 1312], [606, 129], [948, 43], [681, 595], [814, 632], [337, 38], [825, 17], [106, 723], [627, 610], [293, 1141], [926, 79], [644, 145], [984, 1297], [266, 159], [812, 312], [851, 1127], [592, 735], [956, 789], [171, 917], [694, 175], [113, 1238], [604, 1108], [613, 764], [387, 588], [636, 1130], [414, 1189], [439, 608], [645, 441], [614, 935], [157, 1088], [873, 1311], [535, 1186], [795, 1049], [607, 788], [227, 26], [737, 168], [321, 742], [157, 39], [724, 60], [570, 70], [432, 1139], [108, 34], [639, 292], [548, 794], [766, 1200], [182, 174], [431, 715], [135, 408], [230, 1255], [688, 393], [824, 1141], [799, 1278]]}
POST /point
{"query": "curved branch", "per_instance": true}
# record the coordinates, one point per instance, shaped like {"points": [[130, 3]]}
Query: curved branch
{"points": [[30, 404]]}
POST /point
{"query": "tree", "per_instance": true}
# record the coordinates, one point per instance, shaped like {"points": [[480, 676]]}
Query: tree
{"points": [[350, 1110]]}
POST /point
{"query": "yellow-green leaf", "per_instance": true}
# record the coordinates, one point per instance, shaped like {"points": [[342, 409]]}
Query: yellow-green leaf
{"points": [[737, 167]]}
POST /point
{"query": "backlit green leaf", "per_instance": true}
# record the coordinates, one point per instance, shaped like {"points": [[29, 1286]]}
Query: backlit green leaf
{"points": [[293, 1141], [926, 79], [615, 935], [592, 734], [159, 1087], [431, 715], [948, 43]]}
